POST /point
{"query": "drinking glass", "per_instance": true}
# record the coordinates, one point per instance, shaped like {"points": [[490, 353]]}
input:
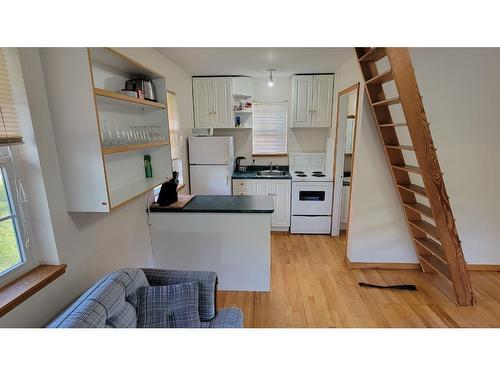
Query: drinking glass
{"points": [[116, 140]]}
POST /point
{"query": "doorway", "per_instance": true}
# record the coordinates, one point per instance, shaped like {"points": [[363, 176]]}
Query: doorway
{"points": [[347, 113]]}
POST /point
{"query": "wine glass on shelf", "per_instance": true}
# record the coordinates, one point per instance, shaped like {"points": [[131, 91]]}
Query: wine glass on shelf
{"points": [[105, 132], [116, 134]]}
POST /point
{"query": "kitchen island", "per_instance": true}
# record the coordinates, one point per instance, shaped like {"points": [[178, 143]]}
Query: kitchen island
{"points": [[230, 235]]}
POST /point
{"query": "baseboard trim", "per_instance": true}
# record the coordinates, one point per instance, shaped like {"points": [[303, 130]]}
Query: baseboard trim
{"points": [[414, 266], [382, 266], [484, 267]]}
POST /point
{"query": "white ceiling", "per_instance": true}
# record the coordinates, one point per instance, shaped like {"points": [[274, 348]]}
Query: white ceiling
{"points": [[254, 61]]}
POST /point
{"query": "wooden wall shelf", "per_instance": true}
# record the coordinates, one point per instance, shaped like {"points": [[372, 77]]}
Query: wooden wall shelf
{"points": [[128, 99], [132, 147]]}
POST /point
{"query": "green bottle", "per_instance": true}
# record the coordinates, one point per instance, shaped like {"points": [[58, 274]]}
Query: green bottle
{"points": [[147, 166]]}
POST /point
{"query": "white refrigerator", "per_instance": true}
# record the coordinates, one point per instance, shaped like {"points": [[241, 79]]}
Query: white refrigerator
{"points": [[211, 165]]}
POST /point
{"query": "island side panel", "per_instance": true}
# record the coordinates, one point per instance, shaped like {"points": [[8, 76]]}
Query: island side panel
{"points": [[235, 245]]}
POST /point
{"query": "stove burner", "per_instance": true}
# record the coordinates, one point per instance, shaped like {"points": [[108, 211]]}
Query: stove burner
{"points": [[299, 172], [319, 175], [317, 172], [301, 175]]}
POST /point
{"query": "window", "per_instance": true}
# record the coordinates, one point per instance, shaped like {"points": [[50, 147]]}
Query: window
{"points": [[12, 234], [11, 243], [173, 125], [175, 134], [269, 127]]}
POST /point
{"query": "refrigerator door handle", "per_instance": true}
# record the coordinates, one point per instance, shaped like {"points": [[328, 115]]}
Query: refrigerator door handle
{"points": [[226, 154], [227, 176]]}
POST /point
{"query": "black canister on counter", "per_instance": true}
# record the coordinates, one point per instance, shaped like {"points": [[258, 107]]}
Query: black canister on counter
{"points": [[168, 191]]}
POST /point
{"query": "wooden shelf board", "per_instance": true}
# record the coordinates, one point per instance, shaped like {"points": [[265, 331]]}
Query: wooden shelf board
{"points": [[133, 147], [242, 112], [114, 96], [19, 290], [133, 190], [124, 64]]}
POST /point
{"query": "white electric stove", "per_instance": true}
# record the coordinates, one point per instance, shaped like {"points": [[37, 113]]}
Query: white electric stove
{"points": [[312, 192]]}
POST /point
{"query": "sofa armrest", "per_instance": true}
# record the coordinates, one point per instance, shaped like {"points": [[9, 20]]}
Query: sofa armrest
{"points": [[207, 284]]}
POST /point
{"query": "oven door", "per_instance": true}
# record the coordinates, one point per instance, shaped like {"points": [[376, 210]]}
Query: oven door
{"points": [[312, 198]]}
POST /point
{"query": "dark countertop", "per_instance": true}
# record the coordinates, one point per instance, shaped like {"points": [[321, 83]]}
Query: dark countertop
{"points": [[251, 173], [224, 204]]}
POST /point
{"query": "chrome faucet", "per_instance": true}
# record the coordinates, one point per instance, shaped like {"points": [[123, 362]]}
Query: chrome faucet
{"points": [[271, 166]]}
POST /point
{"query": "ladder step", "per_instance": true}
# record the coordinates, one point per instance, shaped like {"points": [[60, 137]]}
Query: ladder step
{"points": [[392, 125], [387, 102], [437, 265], [401, 147], [375, 54], [425, 227], [381, 78], [408, 168], [420, 208], [414, 189], [432, 246]]}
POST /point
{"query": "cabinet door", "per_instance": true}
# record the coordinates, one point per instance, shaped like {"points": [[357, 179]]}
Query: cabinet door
{"points": [[322, 101], [302, 101], [261, 187], [281, 195], [223, 103], [202, 101]]}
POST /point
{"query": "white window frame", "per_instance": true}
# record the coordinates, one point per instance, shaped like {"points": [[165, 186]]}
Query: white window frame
{"points": [[6, 166], [285, 129]]}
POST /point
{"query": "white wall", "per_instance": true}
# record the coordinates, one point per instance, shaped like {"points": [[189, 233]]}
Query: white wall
{"points": [[461, 96], [304, 140], [90, 244]]}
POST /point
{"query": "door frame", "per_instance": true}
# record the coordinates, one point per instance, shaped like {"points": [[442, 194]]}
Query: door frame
{"points": [[337, 190]]}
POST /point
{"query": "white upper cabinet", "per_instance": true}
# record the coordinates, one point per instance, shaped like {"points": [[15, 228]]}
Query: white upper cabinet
{"points": [[213, 102], [202, 89], [223, 103], [322, 101], [312, 100], [302, 99]]}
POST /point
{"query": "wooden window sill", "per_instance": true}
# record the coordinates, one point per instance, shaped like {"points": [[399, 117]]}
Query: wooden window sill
{"points": [[20, 289], [180, 187]]}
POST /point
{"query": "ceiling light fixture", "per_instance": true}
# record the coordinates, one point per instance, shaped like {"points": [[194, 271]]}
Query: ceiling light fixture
{"points": [[270, 81]]}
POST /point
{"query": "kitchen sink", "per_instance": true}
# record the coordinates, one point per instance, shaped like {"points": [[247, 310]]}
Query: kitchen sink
{"points": [[271, 173]]}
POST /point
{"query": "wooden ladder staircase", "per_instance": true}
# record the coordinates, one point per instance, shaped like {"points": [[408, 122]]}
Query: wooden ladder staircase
{"points": [[421, 187]]}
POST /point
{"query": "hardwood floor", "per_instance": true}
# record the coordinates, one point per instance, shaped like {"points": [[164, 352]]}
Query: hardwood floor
{"points": [[311, 286]]}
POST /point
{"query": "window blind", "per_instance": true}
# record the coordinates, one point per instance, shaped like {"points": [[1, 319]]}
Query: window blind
{"points": [[173, 125], [269, 127], [9, 124]]}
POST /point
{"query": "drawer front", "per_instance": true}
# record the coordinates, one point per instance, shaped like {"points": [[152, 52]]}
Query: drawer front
{"points": [[242, 187], [237, 184], [311, 224]]}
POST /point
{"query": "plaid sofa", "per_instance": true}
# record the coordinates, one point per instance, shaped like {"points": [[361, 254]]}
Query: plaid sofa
{"points": [[112, 301]]}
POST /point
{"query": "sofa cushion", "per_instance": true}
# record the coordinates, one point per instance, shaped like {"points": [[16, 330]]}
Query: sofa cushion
{"points": [[169, 306], [229, 317], [90, 314], [116, 296]]}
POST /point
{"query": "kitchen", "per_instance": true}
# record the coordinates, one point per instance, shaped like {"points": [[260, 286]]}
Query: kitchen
{"points": [[269, 134], [279, 119]]}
